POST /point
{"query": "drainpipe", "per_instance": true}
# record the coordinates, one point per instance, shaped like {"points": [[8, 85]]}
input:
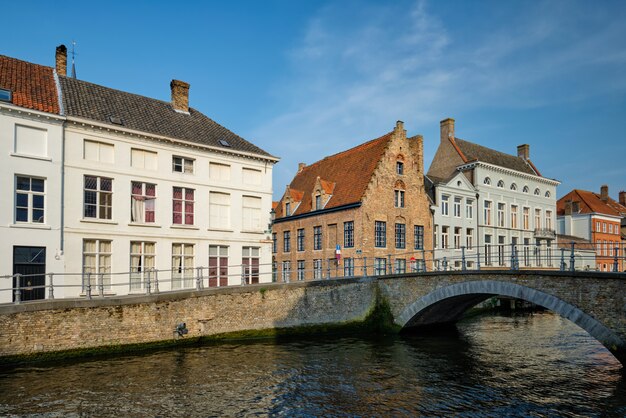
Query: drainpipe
{"points": [[62, 244]]}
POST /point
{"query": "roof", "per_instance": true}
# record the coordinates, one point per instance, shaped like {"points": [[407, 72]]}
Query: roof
{"points": [[565, 241], [350, 171], [93, 102], [32, 85], [590, 202], [477, 152]]}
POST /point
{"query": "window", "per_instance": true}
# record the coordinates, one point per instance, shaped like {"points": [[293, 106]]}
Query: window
{"points": [[348, 234], [399, 168], [547, 194], [526, 218], [250, 264], [301, 270], [514, 210], [597, 226], [274, 243], [251, 176], [182, 265], [141, 264], [603, 226], [445, 237], [487, 212], [488, 250], [445, 204], [537, 218], [469, 208], [469, 238], [317, 269], [527, 252], [513, 186], [219, 172], [96, 263], [418, 231], [286, 241], [31, 141], [525, 189], [142, 202], [457, 237], [182, 206], [143, 159], [300, 240], [286, 273], [456, 210], [400, 236], [537, 192], [380, 234], [501, 207], [219, 210], [318, 202], [182, 165], [610, 228], [399, 266], [487, 181], [380, 266], [436, 236], [348, 267], [317, 237], [287, 209], [501, 184], [218, 265], [29, 200], [399, 198], [501, 250], [251, 213], [548, 223], [98, 151], [98, 197], [5, 95]]}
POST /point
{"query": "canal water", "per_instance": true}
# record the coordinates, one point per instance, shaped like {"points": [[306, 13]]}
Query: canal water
{"points": [[524, 365]]}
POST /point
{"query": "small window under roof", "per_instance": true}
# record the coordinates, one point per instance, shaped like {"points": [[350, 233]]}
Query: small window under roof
{"points": [[5, 95], [116, 120], [224, 143]]}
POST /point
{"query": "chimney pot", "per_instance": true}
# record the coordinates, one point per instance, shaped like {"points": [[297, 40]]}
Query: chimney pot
{"points": [[399, 125], [180, 95], [604, 192], [523, 151], [61, 60], [622, 198], [301, 166], [446, 129]]}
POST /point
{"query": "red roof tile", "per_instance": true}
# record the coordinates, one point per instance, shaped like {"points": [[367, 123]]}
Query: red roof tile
{"points": [[32, 86], [590, 202]]}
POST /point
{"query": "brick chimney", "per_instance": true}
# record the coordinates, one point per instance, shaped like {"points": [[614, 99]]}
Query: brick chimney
{"points": [[622, 198], [61, 60], [301, 166], [523, 151], [604, 193], [568, 207], [180, 95], [447, 129]]}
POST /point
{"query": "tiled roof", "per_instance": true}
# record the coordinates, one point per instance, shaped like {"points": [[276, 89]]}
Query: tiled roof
{"points": [[565, 241], [350, 170], [590, 202], [473, 151], [91, 101], [32, 86]]}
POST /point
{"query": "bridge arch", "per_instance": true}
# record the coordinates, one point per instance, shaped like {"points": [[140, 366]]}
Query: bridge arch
{"points": [[448, 304]]}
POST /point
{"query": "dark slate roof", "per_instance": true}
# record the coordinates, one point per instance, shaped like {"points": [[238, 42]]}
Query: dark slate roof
{"points": [[32, 85], [487, 155], [91, 101]]}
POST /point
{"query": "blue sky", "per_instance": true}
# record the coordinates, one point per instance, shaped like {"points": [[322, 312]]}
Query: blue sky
{"points": [[306, 79]]}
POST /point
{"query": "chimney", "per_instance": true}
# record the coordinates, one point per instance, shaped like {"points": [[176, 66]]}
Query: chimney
{"points": [[568, 208], [604, 193], [61, 60], [523, 151], [447, 129], [622, 198], [301, 166], [180, 96]]}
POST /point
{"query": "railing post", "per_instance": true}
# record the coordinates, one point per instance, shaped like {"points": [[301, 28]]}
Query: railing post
{"points": [[572, 259], [51, 288], [562, 259], [156, 280], [423, 259], [101, 285], [445, 263], [243, 275], [327, 268], [389, 266], [615, 264], [478, 257], [364, 266], [463, 261], [198, 278], [18, 289], [148, 273], [88, 290]]}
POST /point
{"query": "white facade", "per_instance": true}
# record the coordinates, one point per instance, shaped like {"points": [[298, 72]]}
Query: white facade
{"points": [[30, 213], [137, 203]]}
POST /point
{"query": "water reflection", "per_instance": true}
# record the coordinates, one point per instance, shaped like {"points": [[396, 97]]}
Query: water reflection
{"points": [[536, 365]]}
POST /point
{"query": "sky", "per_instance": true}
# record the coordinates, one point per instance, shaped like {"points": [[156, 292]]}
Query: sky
{"points": [[306, 79]]}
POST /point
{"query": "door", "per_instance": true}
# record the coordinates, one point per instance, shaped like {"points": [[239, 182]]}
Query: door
{"points": [[30, 262]]}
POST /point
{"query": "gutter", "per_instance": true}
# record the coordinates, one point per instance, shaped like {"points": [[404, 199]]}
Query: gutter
{"points": [[318, 212]]}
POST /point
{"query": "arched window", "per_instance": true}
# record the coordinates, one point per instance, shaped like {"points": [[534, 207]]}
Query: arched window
{"points": [[547, 193], [501, 184], [537, 192], [487, 181], [513, 186], [525, 189]]}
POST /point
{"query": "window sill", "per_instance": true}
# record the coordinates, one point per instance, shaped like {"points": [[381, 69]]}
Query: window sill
{"points": [[190, 227], [29, 226], [144, 225], [243, 231], [32, 157], [220, 229], [98, 221]]}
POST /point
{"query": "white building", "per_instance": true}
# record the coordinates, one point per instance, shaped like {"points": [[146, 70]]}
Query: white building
{"points": [[515, 207], [31, 134]]}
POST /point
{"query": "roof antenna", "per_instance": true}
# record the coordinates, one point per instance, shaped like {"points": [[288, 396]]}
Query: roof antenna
{"points": [[73, 54]]}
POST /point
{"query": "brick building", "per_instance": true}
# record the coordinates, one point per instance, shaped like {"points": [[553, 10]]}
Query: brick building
{"points": [[599, 219], [364, 206]]}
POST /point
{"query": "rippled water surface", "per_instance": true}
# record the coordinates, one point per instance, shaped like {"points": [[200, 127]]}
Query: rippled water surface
{"points": [[531, 365]]}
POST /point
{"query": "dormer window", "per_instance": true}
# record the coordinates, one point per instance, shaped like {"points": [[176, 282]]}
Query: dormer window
{"points": [[5, 95], [501, 184], [537, 192], [399, 168], [287, 209], [318, 202]]}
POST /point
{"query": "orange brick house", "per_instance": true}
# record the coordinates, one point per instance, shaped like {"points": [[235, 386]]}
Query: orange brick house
{"points": [[598, 218], [366, 206]]}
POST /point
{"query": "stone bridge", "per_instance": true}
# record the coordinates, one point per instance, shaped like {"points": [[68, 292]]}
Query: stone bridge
{"points": [[594, 301]]}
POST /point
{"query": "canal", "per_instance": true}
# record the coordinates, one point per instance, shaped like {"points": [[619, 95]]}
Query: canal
{"points": [[493, 365]]}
